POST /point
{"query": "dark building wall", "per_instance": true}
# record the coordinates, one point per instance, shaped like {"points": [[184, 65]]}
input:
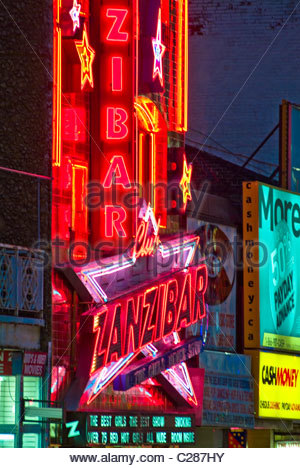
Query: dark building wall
{"points": [[26, 117], [228, 38], [26, 36]]}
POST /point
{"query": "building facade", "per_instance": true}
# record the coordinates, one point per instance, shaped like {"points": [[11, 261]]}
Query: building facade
{"points": [[123, 300], [25, 226]]}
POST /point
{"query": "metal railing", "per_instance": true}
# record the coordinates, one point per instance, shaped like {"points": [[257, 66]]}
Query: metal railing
{"points": [[21, 281]]}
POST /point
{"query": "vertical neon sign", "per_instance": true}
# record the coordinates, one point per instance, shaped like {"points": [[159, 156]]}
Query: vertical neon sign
{"points": [[112, 151]]}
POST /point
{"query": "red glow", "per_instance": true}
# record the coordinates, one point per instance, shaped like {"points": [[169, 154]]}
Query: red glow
{"points": [[117, 173], [115, 33], [115, 216], [112, 150], [86, 55], [147, 244], [182, 66], [74, 124], [149, 315], [146, 240], [79, 208], [152, 155], [185, 182], [56, 124], [74, 13], [186, 64], [116, 73], [158, 50], [116, 123]]}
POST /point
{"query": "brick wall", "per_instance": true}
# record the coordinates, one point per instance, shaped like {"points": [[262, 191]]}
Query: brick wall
{"points": [[227, 39]]}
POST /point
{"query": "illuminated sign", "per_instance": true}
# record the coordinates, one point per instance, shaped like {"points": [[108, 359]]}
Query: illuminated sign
{"points": [[120, 330], [74, 13], [271, 265], [34, 363], [287, 444], [112, 128], [147, 238], [185, 182], [158, 51], [228, 399], [10, 362], [147, 321], [279, 385], [125, 429], [165, 359], [86, 54]]}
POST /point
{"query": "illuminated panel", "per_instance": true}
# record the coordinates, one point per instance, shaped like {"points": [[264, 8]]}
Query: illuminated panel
{"points": [[110, 355], [79, 211], [74, 121], [186, 62], [179, 78], [56, 149], [112, 128], [126, 429], [144, 301], [152, 47], [79, 208], [152, 162]]}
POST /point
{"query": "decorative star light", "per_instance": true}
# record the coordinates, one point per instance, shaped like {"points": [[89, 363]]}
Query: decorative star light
{"points": [[86, 55], [158, 50], [74, 13], [185, 181]]}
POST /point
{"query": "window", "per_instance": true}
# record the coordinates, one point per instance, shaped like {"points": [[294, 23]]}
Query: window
{"points": [[7, 400]]}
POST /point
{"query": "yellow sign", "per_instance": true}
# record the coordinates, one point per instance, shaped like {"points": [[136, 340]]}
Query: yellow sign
{"points": [[279, 386], [251, 260], [289, 343]]}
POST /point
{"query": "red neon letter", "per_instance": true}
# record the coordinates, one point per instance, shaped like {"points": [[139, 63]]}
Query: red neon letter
{"points": [[116, 73], [116, 123], [185, 307], [99, 327], [201, 284], [132, 326], [115, 34], [149, 310], [171, 307], [114, 343], [112, 222], [117, 173]]}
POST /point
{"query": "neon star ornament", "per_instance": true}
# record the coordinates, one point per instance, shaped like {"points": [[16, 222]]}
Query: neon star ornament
{"points": [[158, 50], [185, 181], [86, 54], [74, 13]]}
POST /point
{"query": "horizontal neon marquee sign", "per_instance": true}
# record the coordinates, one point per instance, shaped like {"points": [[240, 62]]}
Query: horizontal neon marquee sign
{"points": [[125, 327]]}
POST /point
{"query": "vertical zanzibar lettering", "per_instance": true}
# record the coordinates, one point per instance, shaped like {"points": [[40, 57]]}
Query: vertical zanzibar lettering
{"points": [[116, 115]]}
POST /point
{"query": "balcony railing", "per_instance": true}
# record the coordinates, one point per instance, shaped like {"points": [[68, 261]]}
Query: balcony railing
{"points": [[21, 281]]}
